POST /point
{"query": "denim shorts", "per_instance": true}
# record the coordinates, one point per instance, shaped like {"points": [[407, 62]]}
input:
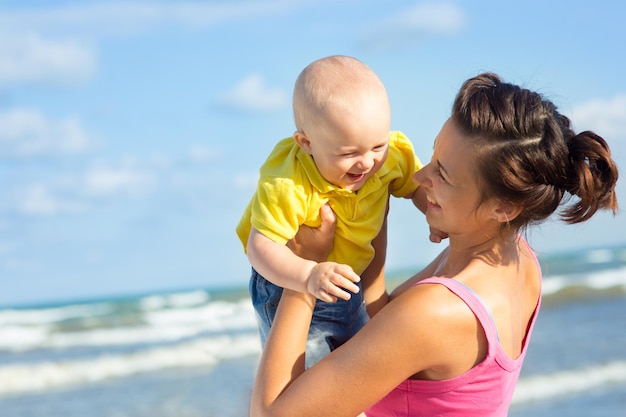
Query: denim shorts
{"points": [[332, 323]]}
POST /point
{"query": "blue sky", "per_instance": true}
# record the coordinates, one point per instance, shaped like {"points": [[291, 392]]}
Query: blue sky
{"points": [[131, 132]]}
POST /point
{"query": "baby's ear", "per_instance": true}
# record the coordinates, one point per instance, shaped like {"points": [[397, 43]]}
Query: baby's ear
{"points": [[303, 141]]}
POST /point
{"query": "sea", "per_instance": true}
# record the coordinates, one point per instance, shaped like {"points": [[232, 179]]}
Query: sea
{"points": [[194, 352]]}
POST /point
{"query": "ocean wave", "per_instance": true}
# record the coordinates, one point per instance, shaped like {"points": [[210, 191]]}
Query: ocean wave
{"points": [[542, 387], [600, 256], [595, 281], [21, 379], [35, 316], [152, 326], [168, 318], [29, 378], [175, 300], [571, 288]]}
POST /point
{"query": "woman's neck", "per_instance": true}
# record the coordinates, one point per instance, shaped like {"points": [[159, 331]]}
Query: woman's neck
{"points": [[496, 250]]}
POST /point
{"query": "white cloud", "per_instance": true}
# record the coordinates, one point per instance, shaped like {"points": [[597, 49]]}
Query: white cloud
{"points": [[75, 192], [38, 200], [124, 17], [429, 17], [252, 94], [55, 44], [410, 26], [32, 58], [107, 181], [605, 117], [27, 132]]}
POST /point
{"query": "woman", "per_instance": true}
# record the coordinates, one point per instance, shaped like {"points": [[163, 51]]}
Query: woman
{"points": [[452, 339]]}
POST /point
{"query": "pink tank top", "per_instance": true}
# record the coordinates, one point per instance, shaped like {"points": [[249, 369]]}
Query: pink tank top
{"points": [[485, 390]]}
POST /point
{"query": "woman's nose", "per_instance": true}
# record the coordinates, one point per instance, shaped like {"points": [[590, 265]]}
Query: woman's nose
{"points": [[421, 176]]}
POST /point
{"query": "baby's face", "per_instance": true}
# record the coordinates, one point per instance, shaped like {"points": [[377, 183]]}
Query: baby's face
{"points": [[349, 148]]}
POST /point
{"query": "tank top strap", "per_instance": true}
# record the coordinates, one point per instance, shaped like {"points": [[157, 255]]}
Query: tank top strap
{"points": [[475, 304]]}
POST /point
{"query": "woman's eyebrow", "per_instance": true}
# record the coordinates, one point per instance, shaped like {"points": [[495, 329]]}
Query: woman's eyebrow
{"points": [[441, 167]]}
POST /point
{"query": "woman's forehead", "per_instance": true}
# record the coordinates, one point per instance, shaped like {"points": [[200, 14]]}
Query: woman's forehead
{"points": [[452, 151]]}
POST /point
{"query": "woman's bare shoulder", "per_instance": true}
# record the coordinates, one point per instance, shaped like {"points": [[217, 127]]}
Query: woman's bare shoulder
{"points": [[438, 321]]}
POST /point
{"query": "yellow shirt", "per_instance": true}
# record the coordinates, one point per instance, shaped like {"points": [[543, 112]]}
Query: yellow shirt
{"points": [[291, 192]]}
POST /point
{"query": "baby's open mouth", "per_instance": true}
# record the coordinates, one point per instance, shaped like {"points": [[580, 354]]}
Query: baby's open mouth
{"points": [[356, 177]]}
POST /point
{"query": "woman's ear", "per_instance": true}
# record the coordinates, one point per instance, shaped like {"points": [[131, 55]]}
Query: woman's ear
{"points": [[504, 212], [303, 141]]}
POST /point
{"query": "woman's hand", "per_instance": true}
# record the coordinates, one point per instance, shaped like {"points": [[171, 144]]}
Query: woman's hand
{"points": [[315, 243], [327, 280]]}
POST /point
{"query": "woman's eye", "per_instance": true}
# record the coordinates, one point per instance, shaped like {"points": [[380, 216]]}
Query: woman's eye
{"points": [[440, 174]]}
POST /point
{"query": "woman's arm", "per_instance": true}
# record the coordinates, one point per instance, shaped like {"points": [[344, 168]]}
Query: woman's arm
{"points": [[283, 357], [339, 385], [404, 338]]}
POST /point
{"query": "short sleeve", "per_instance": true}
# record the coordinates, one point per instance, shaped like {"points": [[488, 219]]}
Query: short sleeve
{"points": [[403, 156], [278, 209]]}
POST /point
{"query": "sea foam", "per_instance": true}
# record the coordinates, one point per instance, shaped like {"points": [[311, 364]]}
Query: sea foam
{"points": [[547, 386], [205, 352]]}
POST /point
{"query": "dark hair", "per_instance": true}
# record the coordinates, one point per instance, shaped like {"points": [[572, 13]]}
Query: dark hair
{"points": [[529, 155]]}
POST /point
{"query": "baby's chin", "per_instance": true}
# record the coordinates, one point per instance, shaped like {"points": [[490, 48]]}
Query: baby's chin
{"points": [[353, 187]]}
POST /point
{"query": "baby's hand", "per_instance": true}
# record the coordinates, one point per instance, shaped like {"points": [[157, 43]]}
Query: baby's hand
{"points": [[327, 279]]}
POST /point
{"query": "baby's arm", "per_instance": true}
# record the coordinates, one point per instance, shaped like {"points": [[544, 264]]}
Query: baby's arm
{"points": [[373, 278], [281, 266]]}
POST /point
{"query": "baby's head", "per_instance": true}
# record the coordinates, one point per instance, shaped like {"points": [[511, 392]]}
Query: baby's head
{"points": [[342, 117]]}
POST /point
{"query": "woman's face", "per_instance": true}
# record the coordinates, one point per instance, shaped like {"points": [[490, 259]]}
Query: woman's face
{"points": [[451, 185]]}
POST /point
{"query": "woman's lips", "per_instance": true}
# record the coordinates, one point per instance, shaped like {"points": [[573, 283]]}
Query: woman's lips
{"points": [[432, 203]]}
